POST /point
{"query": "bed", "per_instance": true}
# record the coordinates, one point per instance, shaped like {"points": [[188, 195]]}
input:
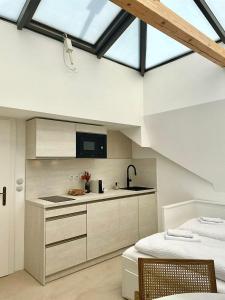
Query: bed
{"points": [[186, 215]]}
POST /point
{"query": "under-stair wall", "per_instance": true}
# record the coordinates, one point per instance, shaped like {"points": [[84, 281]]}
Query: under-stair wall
{"points": [[175, 183]]}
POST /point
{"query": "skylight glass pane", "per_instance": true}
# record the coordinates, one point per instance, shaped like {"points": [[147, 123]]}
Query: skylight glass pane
{"points": [[126, 48], [11, 9], [190, 12], [161, 47], [218, 8], [84, 19]]}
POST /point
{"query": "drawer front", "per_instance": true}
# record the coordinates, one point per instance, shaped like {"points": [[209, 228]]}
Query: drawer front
{"points": [[65, 228], [65, 255], [65, 210]]}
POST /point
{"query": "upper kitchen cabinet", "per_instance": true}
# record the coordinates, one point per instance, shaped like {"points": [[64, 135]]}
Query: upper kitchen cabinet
{"points": [[48, 138], [119, 146]]}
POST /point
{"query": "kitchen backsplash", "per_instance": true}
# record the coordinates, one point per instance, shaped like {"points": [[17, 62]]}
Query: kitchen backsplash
{"points": [[51, 177]]}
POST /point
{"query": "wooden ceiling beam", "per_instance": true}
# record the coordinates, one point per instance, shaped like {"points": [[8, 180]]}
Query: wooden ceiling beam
{"points": [[164, 19]]}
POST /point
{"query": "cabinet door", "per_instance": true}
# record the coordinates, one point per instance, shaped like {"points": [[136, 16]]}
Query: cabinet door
{"points": [[102, 228], [55, 139], [128, 230], [147, 215]]}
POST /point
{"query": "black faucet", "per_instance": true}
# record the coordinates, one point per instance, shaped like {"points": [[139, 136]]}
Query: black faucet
{"points": [[128, 177]]}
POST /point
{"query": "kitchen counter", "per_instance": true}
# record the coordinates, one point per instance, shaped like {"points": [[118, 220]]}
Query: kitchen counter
{"points": [[91, 197]]}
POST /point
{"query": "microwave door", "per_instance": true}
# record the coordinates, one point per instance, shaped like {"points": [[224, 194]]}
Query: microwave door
{"points": [[91, 145]]}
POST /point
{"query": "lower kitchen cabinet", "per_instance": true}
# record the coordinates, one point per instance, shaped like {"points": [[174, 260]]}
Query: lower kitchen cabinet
{"points": [[148, 220], [111, 225], [128, 221], [60, 240], [102, 228], [55, 239]]}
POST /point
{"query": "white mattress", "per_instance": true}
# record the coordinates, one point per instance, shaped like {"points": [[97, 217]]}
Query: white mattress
{"points": [[215, 231], [131, 255]]}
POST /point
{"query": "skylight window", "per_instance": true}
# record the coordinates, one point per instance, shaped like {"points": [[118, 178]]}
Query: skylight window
{"points": [[11, 9], [127, 48], [218, 8], [161, 47], [83, 19], [95, 25]]}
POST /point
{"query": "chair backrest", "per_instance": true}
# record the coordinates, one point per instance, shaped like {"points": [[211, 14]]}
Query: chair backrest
{"points": [[163, 277]]}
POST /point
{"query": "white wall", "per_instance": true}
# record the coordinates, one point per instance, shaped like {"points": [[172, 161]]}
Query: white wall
{"points": [[185, 82], [176, 184], [194, 138], [33, 77]]}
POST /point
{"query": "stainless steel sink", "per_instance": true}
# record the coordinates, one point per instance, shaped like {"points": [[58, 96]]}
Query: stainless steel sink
{"points": [[136, 188]]}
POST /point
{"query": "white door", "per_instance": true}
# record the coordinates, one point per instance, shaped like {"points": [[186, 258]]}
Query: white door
{"points": [[6, 199]]}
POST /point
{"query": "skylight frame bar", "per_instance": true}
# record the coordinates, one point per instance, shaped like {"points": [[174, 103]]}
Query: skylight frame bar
{"points": [[113, 32], [59, 36], [109, 30], [143, 46], [7, 20], [27, 13], [121, 63], [170, 60], [209, 15]]}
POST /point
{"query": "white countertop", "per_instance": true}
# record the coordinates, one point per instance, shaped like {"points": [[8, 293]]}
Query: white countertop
{"points": [[195, 296], [89, 197]]}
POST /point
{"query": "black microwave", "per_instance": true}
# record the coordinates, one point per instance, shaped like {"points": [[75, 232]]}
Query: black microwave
{"points": [[91, 145]]}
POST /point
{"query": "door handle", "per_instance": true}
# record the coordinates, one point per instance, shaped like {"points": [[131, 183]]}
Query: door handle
{"points": [[3, 195]]}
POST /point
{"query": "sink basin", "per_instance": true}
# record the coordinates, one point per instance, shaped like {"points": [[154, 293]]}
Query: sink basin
{"points": [[136, 188]]}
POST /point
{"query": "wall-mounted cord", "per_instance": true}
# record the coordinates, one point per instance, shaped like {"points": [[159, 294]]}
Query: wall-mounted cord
{"points": [[68, 54]]}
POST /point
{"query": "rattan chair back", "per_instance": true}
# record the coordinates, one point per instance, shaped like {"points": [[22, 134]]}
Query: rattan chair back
{"points": [[163, 277]]}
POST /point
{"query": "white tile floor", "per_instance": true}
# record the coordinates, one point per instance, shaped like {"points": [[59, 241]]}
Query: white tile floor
{"points": [[100, 282]]}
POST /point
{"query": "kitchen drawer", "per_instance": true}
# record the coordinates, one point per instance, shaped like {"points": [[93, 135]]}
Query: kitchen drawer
{"points": [[70, 209], [65, 228], [65, 255]]}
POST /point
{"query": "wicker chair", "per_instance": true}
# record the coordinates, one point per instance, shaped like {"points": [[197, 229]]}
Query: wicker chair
{"points": [[164, 277]]}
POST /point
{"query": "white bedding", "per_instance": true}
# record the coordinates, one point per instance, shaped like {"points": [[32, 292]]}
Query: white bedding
{"points": [[215, 231], [156, 246]]}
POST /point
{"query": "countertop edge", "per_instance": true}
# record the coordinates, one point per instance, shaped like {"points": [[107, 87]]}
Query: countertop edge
{"points": [[92, 197]]}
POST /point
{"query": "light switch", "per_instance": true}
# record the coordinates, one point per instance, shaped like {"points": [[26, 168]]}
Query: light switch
{"points": [[19, 188], [19, 181]]}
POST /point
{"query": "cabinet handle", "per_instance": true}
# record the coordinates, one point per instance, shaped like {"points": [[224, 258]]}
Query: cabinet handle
{"points": [[3, 196]]}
